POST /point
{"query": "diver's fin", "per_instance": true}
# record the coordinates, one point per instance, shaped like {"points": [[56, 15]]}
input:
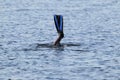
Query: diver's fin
{"points": [[61, 23], [58, 19]]}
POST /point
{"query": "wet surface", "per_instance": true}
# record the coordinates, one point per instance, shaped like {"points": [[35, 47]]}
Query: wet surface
{"points": [[89, 51]]}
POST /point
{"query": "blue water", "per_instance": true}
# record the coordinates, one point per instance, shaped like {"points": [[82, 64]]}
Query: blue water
{"points": [[90, 49]]}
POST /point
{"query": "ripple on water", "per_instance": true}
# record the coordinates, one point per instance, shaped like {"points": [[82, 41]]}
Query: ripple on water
{"points": [[46, 46]]}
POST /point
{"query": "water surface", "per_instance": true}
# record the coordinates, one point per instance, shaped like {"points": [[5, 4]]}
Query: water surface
{"points": [[89, 51]]}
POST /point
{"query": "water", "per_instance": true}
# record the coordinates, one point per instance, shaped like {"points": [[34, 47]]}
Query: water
{"points": [[89, 51]]}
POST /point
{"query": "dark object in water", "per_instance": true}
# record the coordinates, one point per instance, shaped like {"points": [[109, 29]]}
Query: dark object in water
{"points": [[58, 19], [48, 45]]}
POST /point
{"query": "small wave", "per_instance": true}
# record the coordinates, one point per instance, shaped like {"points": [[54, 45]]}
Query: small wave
{"points": [[81, 50]]}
